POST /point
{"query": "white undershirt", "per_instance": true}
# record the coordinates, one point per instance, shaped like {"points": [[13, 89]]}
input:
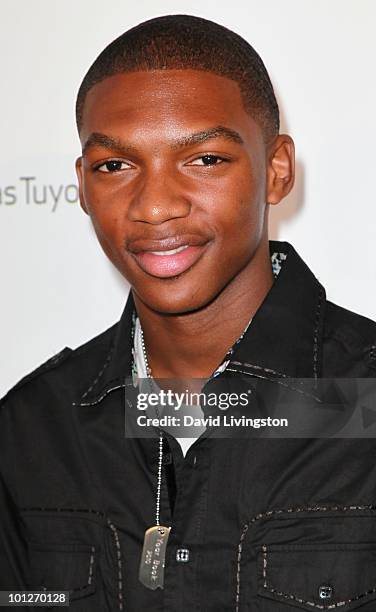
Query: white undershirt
{"points": [[150, 383]]}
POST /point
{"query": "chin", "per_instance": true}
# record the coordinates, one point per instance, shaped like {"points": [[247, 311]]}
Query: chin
{"points": [[172, 307], [172, 302]]}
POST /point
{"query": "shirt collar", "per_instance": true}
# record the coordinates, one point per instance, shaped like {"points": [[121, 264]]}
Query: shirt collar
{"points": [[284, 339], [285, 336]]}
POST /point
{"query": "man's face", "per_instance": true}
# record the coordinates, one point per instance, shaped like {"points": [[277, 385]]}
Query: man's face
{"points": [[174, 177]]}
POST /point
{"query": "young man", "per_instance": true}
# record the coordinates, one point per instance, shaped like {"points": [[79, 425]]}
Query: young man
{"points": [[181, 161]]}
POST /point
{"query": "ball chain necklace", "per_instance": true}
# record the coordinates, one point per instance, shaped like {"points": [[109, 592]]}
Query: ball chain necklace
{"points": [[151, 571]]}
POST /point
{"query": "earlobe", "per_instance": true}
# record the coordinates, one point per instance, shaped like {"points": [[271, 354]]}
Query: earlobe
{"points": [[80, 184], [281, 169]]}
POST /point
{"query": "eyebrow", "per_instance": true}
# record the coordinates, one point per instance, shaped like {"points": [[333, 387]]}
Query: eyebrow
{"points": [[108, 142]]}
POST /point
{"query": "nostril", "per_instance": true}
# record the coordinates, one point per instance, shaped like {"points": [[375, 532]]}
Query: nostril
{"points": [[157, 213]]}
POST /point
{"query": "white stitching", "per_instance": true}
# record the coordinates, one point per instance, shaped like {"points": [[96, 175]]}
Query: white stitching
{"points": [[60, 510], [269, 513], [279, 382], [257, 367], [91, 566], [239, 558], [264, 566], [91, 573], [101, 397], [119, 563], [293, 597], [107, 360], [316, 332]]}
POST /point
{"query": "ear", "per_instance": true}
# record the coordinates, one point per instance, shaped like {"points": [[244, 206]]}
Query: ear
{"points": [[280, 168], [80, 179]]}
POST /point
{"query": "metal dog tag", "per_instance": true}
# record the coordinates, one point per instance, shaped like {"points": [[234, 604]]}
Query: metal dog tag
{"points": [[151, 572]]}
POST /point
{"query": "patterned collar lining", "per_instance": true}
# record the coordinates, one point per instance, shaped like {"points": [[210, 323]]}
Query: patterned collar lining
{"points": [[138, 362], [277, 260]]}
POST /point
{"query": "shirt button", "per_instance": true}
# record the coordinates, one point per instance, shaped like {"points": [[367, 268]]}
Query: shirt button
{"points": [[325, 591], [182, 555]]}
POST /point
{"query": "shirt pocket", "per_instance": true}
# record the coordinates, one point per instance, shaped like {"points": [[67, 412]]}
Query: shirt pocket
{"points": [[318, 577], [307, 557], [63, 567]]}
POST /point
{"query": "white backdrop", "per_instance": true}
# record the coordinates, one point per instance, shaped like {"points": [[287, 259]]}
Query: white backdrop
{"points": [[57, 287]]}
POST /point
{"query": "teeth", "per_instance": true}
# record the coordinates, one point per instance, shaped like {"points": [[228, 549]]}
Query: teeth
{"points": [[171, 252]]}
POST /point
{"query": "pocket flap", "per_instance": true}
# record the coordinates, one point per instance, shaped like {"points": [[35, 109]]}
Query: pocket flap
{"points": [[319, 576], [69, 567]]}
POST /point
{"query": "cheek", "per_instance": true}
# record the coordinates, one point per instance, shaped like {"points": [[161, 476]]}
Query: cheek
{"points": [[102, 204], [237, 209], [248, 213], [107, 223]]}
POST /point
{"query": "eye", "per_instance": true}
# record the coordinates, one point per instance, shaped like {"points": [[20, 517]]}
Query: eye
{"points": [[112, 166], [207, 160]]}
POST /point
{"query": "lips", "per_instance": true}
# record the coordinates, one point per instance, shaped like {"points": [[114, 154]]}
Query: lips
{"points": [[170, 256]]}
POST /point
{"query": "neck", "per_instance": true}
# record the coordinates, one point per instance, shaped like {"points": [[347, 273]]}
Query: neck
{"points": [[195, 343]]}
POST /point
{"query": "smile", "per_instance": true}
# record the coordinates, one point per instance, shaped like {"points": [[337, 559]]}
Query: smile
{"points": [[171, 251], [155, 259]]}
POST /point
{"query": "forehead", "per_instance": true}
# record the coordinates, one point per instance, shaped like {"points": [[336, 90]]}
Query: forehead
{"points": [[159, 100]]}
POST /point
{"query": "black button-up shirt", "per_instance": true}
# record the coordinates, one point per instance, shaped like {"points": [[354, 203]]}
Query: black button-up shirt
{"points": [[258, 523]]}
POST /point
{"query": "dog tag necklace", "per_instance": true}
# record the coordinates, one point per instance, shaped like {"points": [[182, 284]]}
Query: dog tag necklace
{"points": [[151, 572]]}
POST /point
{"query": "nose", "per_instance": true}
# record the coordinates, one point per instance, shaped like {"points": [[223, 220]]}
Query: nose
{"points": [[159, 198]]}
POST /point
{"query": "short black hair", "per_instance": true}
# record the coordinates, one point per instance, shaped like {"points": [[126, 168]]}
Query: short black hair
{"points": [[189, 42]]}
